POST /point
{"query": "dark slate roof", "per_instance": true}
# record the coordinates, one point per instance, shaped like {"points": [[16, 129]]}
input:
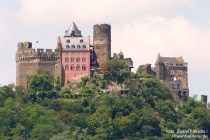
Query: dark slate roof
{"points": [[73, 31], [170, 60]]}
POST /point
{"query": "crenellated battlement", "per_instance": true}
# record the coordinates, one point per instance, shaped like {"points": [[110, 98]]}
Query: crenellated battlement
{"points": [[25, 52]]}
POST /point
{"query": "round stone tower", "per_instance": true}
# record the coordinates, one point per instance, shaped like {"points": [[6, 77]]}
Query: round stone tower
{"points": [[102, 43]]}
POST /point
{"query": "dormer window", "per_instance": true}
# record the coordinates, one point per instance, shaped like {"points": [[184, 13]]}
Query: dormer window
{"points": [[67, 46], [78, 46], [68, 41], [84, 46], [81, 41]]}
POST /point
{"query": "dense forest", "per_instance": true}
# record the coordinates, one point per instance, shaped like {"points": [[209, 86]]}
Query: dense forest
{"points": [[88, 111]]}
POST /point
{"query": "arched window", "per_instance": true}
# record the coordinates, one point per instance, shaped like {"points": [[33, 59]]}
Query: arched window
{"points": [[81, 41], [66, 67], [68, 41], [83, 59], [77, 59], [83, 67], [78, 67], [66, 60], [72, 59], [72, 67]]}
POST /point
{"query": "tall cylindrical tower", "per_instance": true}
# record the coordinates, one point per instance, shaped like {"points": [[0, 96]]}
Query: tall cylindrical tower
{"points": [[102, 43]]}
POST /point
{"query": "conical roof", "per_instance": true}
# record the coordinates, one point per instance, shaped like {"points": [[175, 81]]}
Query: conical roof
{"points": [[73, 31]]}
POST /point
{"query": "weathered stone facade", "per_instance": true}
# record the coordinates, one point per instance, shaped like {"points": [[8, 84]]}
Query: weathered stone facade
{"points": [[173, 72], [29, 61], [102, 43], [146, 68]]}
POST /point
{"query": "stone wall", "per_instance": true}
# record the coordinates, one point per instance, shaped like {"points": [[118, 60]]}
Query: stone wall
{"points": [[29, 61]]}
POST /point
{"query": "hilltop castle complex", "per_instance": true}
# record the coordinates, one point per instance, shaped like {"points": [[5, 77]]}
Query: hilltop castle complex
{"points": [[74, 57]]}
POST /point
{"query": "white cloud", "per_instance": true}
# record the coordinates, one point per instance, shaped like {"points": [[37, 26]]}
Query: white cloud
{"points": [[50, 11], [176, 36], [144, 39]]}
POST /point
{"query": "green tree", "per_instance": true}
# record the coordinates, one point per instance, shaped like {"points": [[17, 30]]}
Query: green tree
{"points": [[40, 82], [118, 70], [40, 86], [166, 108]]}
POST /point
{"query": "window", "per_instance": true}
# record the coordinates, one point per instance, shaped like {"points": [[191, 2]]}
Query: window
{"points": [[78, 67], [73, 46], [179, 93], [66, 60], [81, 41], [178, 86], [78, 46], [84, 46], [66, 67], [173, 86], [72, 59], [83, 59], [83, 67], [179, 72], [172, 72], [67, 46], [72, 67], [77, 59], [68, 41]]}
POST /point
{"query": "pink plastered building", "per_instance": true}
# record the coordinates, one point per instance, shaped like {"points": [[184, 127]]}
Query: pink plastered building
{"points": [[75, 55]]}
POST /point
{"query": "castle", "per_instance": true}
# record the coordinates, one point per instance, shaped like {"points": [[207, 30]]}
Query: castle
{"points": [[73, 58], [173, 71]]}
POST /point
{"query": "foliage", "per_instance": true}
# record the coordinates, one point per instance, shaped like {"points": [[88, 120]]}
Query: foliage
{"points": [[49, 113], [118, 70]]}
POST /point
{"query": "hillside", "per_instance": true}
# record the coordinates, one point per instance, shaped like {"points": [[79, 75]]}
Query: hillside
{"points": [[49, 111]]}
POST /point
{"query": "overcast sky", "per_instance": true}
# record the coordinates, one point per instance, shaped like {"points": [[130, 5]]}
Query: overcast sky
{"points": [[140, 28]]}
